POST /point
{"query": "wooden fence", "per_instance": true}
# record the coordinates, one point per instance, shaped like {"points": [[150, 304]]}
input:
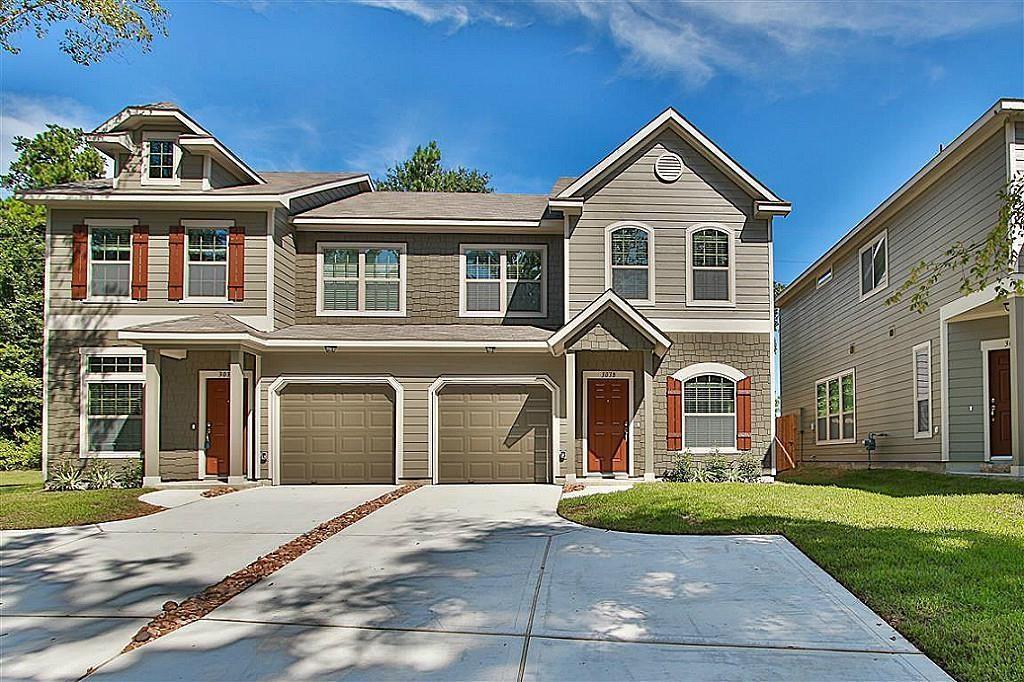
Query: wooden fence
{"points": [[787, 442]]}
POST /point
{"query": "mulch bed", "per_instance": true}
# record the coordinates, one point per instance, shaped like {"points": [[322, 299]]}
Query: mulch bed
{"points": [[573, 487], [217, 492], [176, 615]]}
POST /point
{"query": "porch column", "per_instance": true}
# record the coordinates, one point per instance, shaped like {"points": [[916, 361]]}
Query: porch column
{"points": [[1016, 382], [648, 416], [569, 467], [236, 419], [151, 420]]}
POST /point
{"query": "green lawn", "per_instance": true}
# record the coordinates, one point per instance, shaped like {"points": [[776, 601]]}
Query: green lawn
{"points": [[939, 557], [24, 503]]}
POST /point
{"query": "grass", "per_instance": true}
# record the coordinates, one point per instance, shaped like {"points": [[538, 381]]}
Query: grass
{"points": [[24, 503], [941, 558]]}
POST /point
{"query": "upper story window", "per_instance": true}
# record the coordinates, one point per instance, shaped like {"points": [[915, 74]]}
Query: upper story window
{"points": [[112, 383], [361, 279], [710, 267], [503, 281], [110, 263], [874, 266], [709, 409], [206, 263], [629, 269], [836, 409], [161, 160]]}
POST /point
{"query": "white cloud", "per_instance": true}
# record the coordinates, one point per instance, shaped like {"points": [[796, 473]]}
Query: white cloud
{"points": [[25, 116]]}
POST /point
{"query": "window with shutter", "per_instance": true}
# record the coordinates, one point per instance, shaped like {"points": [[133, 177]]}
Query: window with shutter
{"points": [[675, 414], [140, 263]]}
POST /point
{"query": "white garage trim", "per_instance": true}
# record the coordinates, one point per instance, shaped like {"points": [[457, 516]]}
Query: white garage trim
{"points": [[528, 380], [274, 413]]}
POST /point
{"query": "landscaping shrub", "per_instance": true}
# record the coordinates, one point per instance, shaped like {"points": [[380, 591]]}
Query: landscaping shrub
{"points": [[130, 475], [99, 475], [682, 469], [748, 468], [64, 476], [21, 452], [716, 468]]}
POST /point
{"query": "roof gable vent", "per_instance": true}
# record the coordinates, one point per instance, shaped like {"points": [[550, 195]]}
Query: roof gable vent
{"points": [[668, 167]]}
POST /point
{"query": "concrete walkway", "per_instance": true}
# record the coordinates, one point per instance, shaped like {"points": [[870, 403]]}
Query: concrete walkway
{"points": [[73, 597], [488, 583]]}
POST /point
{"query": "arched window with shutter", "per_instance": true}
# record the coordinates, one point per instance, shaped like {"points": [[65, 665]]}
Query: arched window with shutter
{"points": [[709, 408]]}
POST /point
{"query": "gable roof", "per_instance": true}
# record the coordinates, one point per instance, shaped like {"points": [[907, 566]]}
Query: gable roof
{"points": [[670, 119], [609, 300], [436, 206]]}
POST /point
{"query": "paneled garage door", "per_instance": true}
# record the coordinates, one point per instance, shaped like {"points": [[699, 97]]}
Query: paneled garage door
{"points": [[334, 433], [494, 434]]}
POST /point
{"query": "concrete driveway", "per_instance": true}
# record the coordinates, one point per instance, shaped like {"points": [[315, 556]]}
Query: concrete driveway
{"points": [[71, 598], [488, 583]]}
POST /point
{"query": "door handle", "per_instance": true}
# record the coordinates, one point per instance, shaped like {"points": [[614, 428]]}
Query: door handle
{"points": [[209, 431]]}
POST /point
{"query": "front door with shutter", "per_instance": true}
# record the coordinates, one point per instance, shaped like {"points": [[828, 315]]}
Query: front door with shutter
{"points": [[218, 435], [608, 426], [999, 422]]}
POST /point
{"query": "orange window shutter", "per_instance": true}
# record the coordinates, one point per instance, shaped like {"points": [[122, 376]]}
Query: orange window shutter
{"points": [[743, 414], [236, 264], [675, 414], [140, 262], [79, 262], [176, 263]]}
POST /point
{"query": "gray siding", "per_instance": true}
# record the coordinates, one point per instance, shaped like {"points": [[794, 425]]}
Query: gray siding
{"points": [[222, 177], [828, 330], [61, 226], [130, 167], [179, 410], [432, 291], [968, 414], [702, 195]]}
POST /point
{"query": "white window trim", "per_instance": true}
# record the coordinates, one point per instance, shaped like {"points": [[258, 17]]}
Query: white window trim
{"points": [[926, 346], [119, 224], [691, 302], [884, 283], [85, 378], [503, 280], [361, 247], [167, 137], [705, 369], [838, 375], [651, 297], [191, 225]]}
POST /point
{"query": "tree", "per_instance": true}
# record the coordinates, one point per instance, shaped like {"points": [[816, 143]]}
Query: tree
{"points": [[423, 172], [94, 28], [52, 157], [777, 289], [979, 264]]}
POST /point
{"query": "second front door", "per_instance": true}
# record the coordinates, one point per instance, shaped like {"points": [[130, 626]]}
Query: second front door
{"points": [[608, 426], [218, 435]]}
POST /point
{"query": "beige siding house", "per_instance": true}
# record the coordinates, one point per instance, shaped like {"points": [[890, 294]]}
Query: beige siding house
{"points": [[215, 322], [941, 390]]}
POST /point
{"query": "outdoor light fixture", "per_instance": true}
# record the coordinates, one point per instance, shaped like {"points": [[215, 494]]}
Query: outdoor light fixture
{"points": [[330, 349]]}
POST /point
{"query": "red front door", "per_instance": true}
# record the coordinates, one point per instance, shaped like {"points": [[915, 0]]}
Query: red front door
{"points": [[999, 422], [608, 425], [218, 435]]}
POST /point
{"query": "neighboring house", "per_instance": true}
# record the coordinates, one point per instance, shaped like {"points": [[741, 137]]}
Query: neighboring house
{"points": [[303, 328], [943, 389]]}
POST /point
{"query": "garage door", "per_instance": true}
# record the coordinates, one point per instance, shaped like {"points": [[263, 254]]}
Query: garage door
{"points": [[337, 434], [493, 434]]}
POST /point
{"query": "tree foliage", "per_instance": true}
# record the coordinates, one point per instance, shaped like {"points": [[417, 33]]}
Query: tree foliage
{"points": [[423, 172], [777, 289], [978, 264], [53, 156], [92, 28]]}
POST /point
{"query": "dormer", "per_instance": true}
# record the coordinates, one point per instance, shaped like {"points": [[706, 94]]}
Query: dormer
{"points": [[159, 147]]}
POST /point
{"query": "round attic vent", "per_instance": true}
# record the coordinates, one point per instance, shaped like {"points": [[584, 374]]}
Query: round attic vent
{"points": [[668, 167]]}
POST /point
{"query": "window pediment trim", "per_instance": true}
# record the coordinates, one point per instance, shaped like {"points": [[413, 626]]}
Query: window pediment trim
{"points": [[699, 368]]}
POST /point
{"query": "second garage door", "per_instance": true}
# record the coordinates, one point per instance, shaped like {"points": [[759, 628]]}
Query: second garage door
{"points": [[494, 434], [337, 434]]}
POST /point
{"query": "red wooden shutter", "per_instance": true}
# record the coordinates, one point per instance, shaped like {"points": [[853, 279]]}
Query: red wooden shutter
{"points": [[675, 414], [176, 263], [80, 262], [743, 414], [140, 262], [236, 264]]}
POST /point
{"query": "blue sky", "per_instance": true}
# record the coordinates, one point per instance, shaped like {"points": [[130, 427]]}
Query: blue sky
{"points": [[832, 105]]}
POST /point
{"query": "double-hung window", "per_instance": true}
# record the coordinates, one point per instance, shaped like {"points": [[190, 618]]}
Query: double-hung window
{"points": [[709, 409], [161, 160], [874, 266], [923, 390], [503, 281], [836, 409], [110, 263], [206, 263], [710, 274], [629, 264], [112, 386], [361, 279]]}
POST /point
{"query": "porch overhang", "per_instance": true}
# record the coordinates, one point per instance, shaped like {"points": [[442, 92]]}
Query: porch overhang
{"points": [[609, 300]]}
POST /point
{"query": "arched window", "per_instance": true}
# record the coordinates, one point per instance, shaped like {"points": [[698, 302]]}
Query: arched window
{"points": [[629, 266], [710, 260], [709, 412]]}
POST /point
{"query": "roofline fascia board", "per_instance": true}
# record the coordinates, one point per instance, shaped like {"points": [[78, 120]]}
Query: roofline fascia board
{"points": [[605, 301], [567, 206], [114, 142], [419, 229], [704, 144], [288, 197], [297, 220], [204, 141], [120, 117], [167, 198], [964, 143], [207, 338], [771, 209]]}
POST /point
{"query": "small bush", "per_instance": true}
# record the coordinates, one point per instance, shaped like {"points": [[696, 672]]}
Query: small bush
{"points": [[22, 452], [682, 469], [748, 468], [65, 476], [99, 476], [130, 475], [716, 468]]}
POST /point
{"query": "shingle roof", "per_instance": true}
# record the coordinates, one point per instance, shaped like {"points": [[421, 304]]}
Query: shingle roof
{"points": [[215, 323], [560, 184], [276, 183], [435, 205]]}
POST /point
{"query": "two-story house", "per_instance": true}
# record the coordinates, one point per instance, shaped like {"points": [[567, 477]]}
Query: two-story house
{"points": [[942, 390], [303, 328]]}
